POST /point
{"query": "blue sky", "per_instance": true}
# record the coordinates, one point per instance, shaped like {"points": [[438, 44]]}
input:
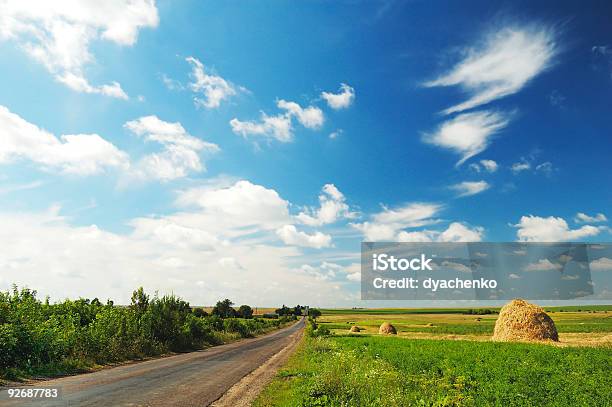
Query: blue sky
{"points": [[215, 151]]}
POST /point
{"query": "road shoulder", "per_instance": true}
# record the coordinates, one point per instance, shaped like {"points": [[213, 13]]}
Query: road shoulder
{"points": [[243, 393]]}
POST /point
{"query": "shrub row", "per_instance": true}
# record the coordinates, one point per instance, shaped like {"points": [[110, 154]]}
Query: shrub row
{"points": [[37, 337]]}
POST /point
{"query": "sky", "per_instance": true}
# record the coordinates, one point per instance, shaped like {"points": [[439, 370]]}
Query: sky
{"points": [[246, 149]]}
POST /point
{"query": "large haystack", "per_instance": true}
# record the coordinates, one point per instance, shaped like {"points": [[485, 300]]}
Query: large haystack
{"points": [[521, 321], [387, 329], [355, 328]]}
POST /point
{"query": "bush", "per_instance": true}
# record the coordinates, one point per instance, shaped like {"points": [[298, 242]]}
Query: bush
{"points": [[64, 337]]}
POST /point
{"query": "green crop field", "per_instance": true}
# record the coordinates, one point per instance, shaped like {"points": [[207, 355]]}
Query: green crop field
{"points": [[391, 371], [446, 359]]}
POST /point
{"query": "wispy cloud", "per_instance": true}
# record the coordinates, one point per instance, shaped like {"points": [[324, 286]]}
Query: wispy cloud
{"points": [[468, 188], [584, 218], [501, 65], [212, 88], [468, 134]]}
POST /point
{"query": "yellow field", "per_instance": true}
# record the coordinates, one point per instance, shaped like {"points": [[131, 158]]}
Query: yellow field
{"points": [[575, 328]]}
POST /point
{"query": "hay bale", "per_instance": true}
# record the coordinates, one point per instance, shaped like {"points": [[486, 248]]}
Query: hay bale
{"points": [[387, 329], [355, 328], [521, 321], [430, 324]]}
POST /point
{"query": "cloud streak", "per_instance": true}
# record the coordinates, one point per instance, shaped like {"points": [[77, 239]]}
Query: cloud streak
{"points": [[501, 65]]}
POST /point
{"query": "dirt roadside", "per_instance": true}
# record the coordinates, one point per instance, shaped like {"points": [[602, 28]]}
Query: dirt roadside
{"points": [[243, 393]]}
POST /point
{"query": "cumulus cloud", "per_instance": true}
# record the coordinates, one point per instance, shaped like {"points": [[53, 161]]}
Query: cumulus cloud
{"points": [[501, 65], [58, 34], [468, 188], [468, 134], [486, 165], [543, 265], [291, 236], [280, 126], [584, 218], [214, 89], [181, 153], [341, 100], [80, 154], [333, 207], [45, 252], [489, 165], [399, 224], [601, 264], [551, 229], [239, 209]]}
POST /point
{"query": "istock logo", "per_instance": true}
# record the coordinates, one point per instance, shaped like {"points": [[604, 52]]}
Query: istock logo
{"points": [[383, 262]]}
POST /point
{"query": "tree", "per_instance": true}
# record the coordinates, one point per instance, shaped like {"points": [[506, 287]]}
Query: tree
{"points": [[245, 312], [224, 309], [140, 301], [297, 310], [284, 310], [199, 312], [314, 313]]}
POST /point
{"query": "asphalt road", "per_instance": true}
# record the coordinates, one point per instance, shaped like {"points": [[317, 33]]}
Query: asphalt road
{"points": [[189, 379]]}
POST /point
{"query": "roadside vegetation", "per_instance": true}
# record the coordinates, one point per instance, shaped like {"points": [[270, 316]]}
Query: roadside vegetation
{"points": [[38, 338]]}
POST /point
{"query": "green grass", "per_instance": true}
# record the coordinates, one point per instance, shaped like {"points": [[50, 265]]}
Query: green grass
{"points": [[390, 371]]}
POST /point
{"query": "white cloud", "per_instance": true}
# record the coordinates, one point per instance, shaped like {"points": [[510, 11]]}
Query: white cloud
{"points": [[520, 166], [546, 168], [468, 188], [502, 65], [458, 232], [468, 134], [280, 127], [44, 252], [392, 225], [462, 268], [340, 100], [489, 165], [584, 218], [230, 263], [335, 134], [385, 225], [58, 34], [214, 88], [310, 117], [80, 154], [543, 265], [601, 264], [551, 229], [181, 150], [333, 207], [291, 236], [240, 208]]}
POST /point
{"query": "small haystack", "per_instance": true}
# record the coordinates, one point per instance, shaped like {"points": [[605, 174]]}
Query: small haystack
{"points": [[355, 328], [387, 329], [521, 321]]}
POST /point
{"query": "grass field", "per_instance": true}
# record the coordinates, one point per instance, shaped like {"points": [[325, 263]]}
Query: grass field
{"points": [[447, 359]]}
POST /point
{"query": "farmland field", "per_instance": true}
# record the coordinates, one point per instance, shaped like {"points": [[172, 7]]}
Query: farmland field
{"points": [[447, 359]]}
